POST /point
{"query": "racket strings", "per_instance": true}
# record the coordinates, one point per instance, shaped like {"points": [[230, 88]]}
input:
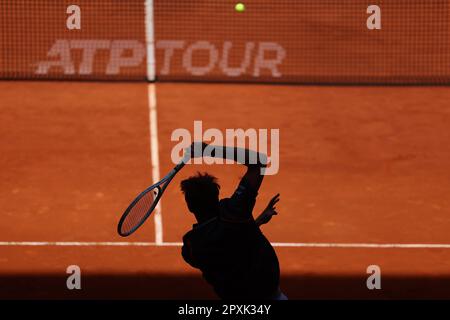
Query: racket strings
{"points": [[139, 212]]}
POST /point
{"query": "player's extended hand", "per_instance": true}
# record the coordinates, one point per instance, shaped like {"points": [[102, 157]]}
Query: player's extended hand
{"points": [[195, 150], [269, 211]]}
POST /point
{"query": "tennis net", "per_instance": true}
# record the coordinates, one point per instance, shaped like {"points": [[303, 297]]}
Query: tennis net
{"points": [[272, 41]]}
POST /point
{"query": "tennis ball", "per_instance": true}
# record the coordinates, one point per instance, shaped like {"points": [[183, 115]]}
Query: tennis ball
{"points": [[239, 7]]}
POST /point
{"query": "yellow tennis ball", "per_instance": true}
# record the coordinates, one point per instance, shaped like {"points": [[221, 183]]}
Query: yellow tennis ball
{"points": [[239, 7]]}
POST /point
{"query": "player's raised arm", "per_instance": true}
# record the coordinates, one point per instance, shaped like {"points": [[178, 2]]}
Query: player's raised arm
{"points": [[255, 161]]}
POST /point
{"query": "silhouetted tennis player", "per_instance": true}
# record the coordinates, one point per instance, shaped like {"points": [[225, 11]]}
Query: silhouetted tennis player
{"points": [[226, 244]]}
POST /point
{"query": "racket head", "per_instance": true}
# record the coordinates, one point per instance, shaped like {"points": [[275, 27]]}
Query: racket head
{"points": [[139, 210]]}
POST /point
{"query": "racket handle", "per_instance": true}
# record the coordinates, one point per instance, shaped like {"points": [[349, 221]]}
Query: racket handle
{"points": [[179, 166]]}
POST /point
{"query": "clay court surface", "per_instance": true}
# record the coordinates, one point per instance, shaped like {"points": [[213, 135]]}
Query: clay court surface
{"points": [[364, 180]]}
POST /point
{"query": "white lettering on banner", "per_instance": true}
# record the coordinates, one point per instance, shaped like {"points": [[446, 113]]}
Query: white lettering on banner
{"points": [[235, 72], [212, 59], [89, 48], [131, 53], [261, 62], [61, 48], [118, 60], [169, 47]]}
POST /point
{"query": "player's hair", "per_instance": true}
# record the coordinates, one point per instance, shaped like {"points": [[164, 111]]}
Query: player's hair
{"points": [[201, 193]]}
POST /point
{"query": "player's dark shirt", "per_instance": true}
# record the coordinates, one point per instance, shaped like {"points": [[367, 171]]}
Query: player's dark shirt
{"points": [[231, 251]]}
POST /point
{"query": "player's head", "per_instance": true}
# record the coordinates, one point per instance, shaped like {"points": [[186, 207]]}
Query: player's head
{"points": [[201, 193]]}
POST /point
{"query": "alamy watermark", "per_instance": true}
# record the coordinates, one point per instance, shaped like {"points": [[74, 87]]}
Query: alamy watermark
{"points": [[373, 282], [258, 141], [73, 281]]}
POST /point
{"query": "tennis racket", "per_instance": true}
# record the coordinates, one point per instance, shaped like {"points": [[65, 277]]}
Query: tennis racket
{"points": [[144, 204]]}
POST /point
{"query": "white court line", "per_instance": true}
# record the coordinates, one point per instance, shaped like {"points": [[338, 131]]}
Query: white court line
{"points": [[275, 244], [153, 119], [154, 153], [150, 40]]}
